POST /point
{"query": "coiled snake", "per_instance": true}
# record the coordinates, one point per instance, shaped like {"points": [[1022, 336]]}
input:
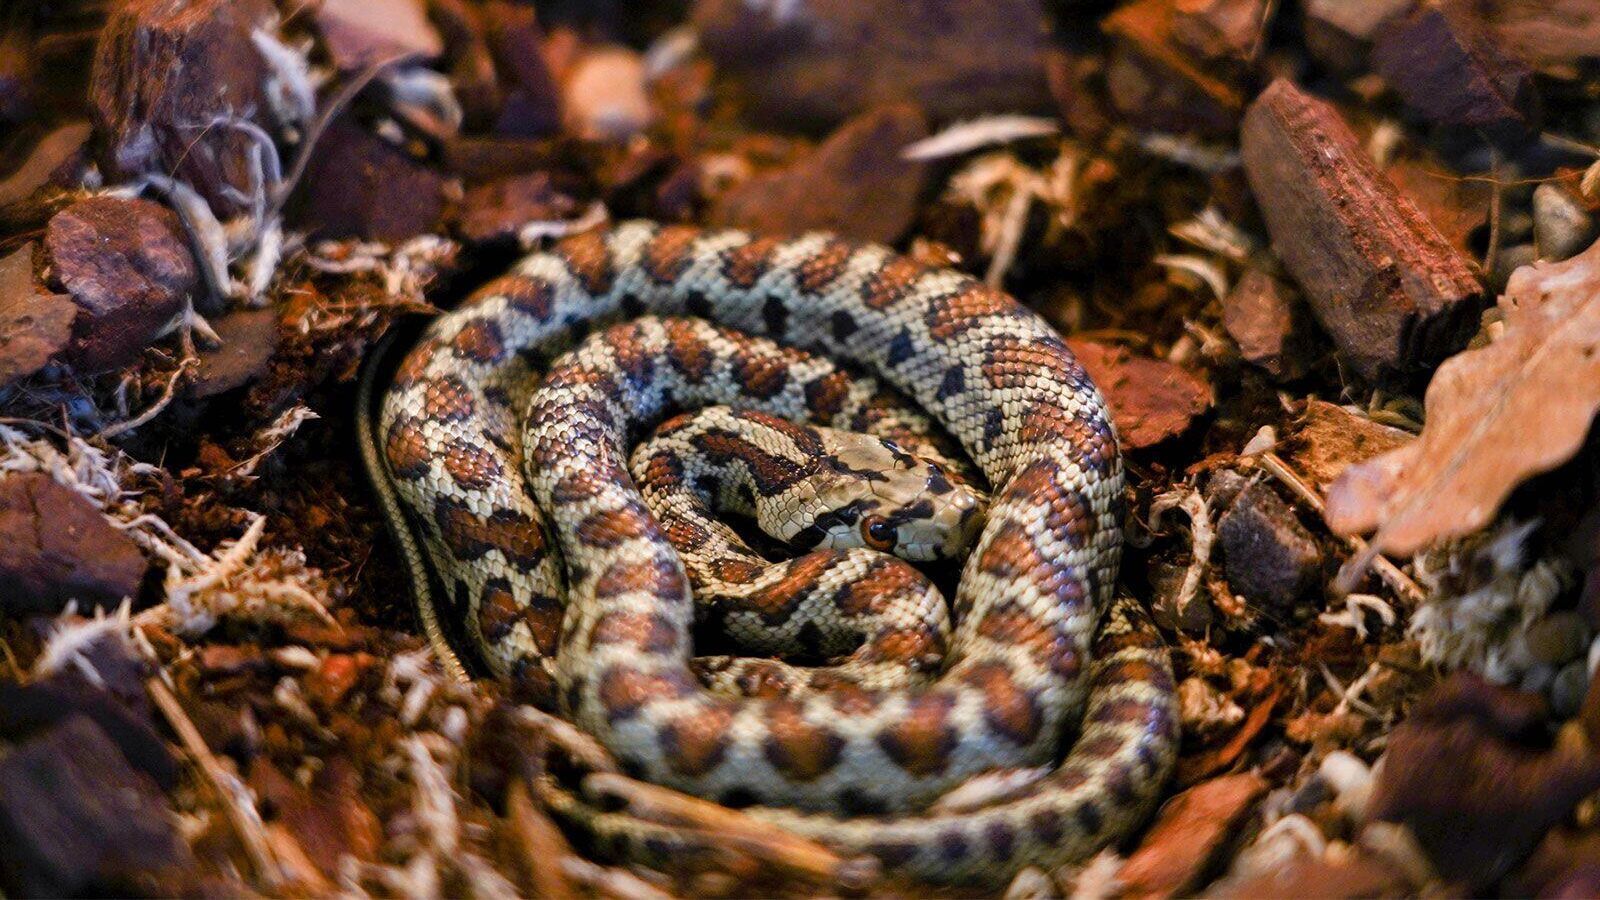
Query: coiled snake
{"points": [[503, 445]]}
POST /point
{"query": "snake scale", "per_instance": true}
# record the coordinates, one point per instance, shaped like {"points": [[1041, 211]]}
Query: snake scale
{"points": [[501, 450]]}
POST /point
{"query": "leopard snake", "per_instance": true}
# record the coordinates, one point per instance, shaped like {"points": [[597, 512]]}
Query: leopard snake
{"points": [[500, 451]]}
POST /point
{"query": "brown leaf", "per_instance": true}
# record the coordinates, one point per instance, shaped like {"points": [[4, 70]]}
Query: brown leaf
{"points": [[1496, 416], [34, 325]]}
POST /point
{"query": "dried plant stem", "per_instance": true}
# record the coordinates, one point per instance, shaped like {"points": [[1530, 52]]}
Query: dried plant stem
{"points": [[229, 792], [167, 395]]}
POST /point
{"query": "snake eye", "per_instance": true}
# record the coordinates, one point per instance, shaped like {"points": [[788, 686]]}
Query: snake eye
{"points": [[878, 532]]}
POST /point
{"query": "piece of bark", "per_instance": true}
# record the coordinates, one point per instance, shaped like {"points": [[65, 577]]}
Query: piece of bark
{"points": [[1271, 324], [249, 338], [1555, 35], [19, 69], [32, 709], [1471, 775], [496, 211], [1189, 833], [532, 99], [1386, 286], [128, 266], [1496, 416], [855, 183], [358, 33], [1161, 84], [1447, 67], [1151, 400], [604, 96], [1077, 83], [75, 819], [34, 325], [814, 64], [360, 185], [1339, 33], [1329, 438], [1269, 557], [165, 72], [59, 548], [1457, 206]]}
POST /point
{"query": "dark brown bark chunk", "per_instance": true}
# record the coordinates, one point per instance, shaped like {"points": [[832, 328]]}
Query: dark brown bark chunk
{"points": [[59, 547], [497, 210], [34, 324], [855, 184], [249, 338], [1159, 82], [1339, 33], [1388, 288], [1447, 66], [1472, 777], [128, 266], [834, 58], [164, 72], [359, 185], [76, 819], [1270, 558], [1270, 323]]}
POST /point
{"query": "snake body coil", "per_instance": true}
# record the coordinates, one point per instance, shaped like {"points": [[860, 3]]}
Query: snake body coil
{"points": [[509, 455]]}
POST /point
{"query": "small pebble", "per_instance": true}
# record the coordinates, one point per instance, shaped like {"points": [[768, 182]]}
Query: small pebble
{"points": [[1567, 690], [1561, 226], [1351, 780], [1558, 638]]}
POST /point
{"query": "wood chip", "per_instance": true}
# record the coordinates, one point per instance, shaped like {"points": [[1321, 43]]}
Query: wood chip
{"points": [[34, 325], [816, 63], [1151, 400], [1447, 67], [856, 183], [1190, 830], [1389, 289]]}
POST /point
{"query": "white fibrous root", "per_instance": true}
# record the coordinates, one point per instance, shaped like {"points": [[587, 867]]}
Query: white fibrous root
{"points": [[1489, 609]]}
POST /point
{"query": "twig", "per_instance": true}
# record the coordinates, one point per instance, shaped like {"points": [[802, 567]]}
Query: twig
{"points": [[233, 796], [1495, 201]]}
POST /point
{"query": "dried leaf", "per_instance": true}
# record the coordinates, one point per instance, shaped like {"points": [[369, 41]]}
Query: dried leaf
{"points": [[34, 325], [1496, 416]]}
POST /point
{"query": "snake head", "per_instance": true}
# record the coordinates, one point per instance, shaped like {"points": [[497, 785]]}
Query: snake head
{"points": [[872, 493]]}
